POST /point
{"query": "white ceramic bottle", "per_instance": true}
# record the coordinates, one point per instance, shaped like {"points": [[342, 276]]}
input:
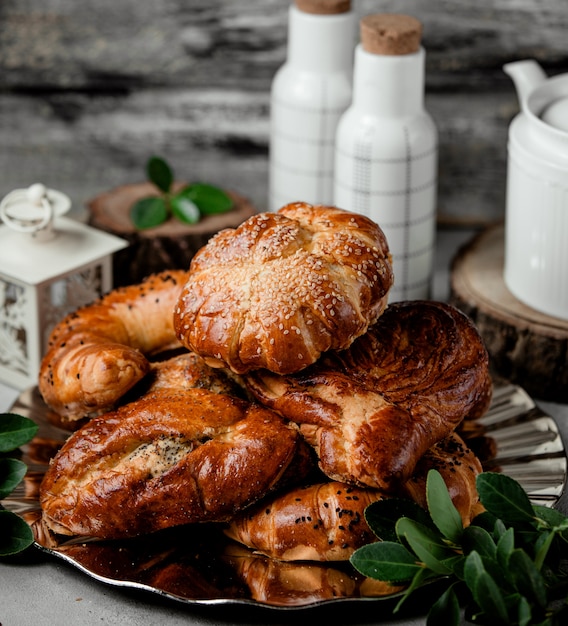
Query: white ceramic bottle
{"points": [[309, 94], [386, 150]]}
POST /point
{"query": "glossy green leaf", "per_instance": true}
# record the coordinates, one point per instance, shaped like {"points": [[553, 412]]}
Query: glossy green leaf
{"points": [[441, 508], [385, 560], [15, 534], [542, 547], [505, 547], [184, 208], [12, 471], [208, 198], [478, 539], [445, 611], [504, 497], [528, 579], [428, 546], [149, 213], [484, 589], [550, 518], [421, 577], [382, 516], [159, 173], [15, 431]]}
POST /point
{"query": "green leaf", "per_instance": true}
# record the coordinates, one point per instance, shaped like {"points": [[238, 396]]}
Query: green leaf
{"points": [[148, 213], [478, 539], [505, 498], [159, 173], [441, 508], [421, 576], [12, 472], [550, 518], [524, 613], [208, 198], [382, 516], [15, 431], [385, 560], [505, 547], [484, 590], [184, 208], [527, 578], [428, 546], [446, 610], [15, 534], [542, 546]]}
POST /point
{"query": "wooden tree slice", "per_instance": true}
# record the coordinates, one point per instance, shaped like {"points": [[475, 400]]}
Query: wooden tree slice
{"points": [[168, 246], [527, 347]]}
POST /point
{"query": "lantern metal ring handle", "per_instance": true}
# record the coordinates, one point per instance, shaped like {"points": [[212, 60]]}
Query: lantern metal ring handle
{"points": [[32, 210]]}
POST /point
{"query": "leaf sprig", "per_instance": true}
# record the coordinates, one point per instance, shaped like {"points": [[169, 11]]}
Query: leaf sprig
{"points": [[188, 205], [15, 431], [509, 567]]}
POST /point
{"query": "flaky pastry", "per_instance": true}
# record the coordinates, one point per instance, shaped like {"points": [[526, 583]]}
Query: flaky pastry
{"points": [[373, 410]]}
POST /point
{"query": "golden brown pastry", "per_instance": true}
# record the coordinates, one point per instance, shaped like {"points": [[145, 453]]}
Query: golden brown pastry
{"points": [[320, 522], [326, 521], [373, 410], [96, 354], [459, 467], [187, 370], [281, 583], [170, 458], [284, 287]]}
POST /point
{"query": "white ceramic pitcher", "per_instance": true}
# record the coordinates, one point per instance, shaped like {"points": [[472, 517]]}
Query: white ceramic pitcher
{"points": [[536, 220]]}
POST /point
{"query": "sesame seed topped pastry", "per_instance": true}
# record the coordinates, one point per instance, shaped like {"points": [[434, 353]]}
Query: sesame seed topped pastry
{"points": [[283, 288]]}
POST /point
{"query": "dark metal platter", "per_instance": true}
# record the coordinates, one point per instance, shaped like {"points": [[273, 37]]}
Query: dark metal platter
{"points": [[198, 565]]}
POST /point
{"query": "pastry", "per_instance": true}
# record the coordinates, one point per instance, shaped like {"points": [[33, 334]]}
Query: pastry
{"points": [[172, 457], [318, 522], [99, 352], [326, 521], [283, 288], [373, 410]]}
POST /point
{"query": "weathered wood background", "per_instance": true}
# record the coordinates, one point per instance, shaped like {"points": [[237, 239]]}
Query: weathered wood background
{"points": [[89, 89]]}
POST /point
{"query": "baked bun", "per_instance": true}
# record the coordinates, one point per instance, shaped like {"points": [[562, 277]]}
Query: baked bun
{"points": [[284, 287], [373, 410], [170, 458], [319, 522], [326, 521], [99, 352]]}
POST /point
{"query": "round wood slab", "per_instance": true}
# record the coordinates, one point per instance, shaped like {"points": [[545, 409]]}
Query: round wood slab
{"points": [[168, 246], [527, 347]]}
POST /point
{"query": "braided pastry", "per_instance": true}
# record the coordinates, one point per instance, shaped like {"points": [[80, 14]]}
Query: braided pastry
{"points": [[96, 354], [283, 288], [172, 457]]}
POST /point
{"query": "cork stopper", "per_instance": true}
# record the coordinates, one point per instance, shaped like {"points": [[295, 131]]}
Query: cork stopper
{"points": [[390, 34], [323, 7]]}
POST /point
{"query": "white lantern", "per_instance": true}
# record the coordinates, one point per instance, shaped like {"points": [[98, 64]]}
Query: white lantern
{"points": [[49, 266]]}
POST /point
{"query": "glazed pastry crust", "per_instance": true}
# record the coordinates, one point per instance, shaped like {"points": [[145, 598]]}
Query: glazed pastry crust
{"points": [[319, 522], [170, 458], [99, 352], [373, 410], [326, 521], [283, 288]]}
